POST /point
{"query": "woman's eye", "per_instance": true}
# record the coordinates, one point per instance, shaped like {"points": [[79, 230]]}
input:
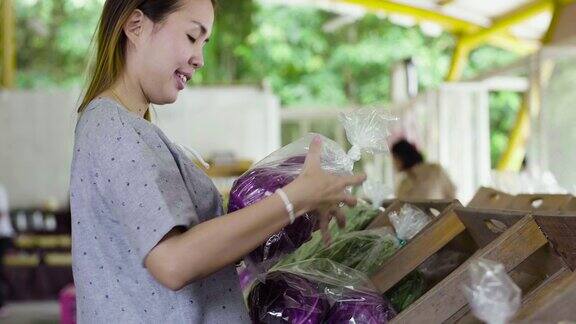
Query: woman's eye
{"points": [[192, 39]]}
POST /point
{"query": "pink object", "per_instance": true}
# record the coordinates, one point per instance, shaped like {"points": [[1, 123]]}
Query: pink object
{"points": [[68, 305]]}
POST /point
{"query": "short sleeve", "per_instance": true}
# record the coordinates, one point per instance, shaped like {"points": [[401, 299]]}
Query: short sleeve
{"points": [[138, 178]]}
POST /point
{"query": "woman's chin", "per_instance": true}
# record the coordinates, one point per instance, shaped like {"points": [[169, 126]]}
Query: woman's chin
{"points": [[166, 99]]}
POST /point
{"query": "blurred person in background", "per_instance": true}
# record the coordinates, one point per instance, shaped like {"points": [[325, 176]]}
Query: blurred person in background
{"points": [[419, 179], [6, 234]]}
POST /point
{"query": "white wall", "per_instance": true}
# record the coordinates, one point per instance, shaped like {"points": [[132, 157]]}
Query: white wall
{"points": [[452, 127], [37, 127]]}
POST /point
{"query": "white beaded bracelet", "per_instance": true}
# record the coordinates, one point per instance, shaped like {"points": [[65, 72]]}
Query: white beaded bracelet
{"points": [[288, 204]]}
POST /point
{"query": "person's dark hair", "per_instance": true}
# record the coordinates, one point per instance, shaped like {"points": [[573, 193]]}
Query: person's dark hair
{"points": [[407, 153]]}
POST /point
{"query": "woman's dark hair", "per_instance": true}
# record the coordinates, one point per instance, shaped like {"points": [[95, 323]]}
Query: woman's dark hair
{"points": [[407, 153]]}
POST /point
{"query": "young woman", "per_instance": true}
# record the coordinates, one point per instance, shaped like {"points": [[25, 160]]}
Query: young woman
{"points": [[150, 241]]}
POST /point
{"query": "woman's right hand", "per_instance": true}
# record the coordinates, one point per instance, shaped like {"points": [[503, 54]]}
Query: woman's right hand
{"points": [[316, 189]]}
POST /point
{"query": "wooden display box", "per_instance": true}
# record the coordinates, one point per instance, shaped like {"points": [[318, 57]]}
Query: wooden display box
{"points": [[553, 300], [541, 202], [489, 198]]}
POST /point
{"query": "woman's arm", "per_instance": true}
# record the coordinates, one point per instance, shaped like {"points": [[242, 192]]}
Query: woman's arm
{"points": [[181, 258]]}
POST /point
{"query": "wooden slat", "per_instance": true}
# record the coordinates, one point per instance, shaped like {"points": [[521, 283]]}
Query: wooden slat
{"points": [[552, 302], [570, 206], [547, 202], [431, 239], [446, 298], [560, 229], [431, 207], [491, 199], [485, 225]]}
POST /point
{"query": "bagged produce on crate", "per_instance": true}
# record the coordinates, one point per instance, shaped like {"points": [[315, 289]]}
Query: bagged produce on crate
{"points": [[367, 131], [317, 291], [409, 221], [364, 251], [492, 295]]}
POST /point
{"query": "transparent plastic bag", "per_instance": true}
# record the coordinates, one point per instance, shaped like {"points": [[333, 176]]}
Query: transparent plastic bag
{"points": [[376, 191], [367, 130], [317, 291], [492, 295], [409, 221], [364, 251], [284, 165]]}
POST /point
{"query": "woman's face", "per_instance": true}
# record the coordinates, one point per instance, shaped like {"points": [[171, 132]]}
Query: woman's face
{"points": [[167, 54]]}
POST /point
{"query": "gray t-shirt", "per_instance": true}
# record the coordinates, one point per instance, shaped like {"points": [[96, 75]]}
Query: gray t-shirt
{"points": [[129, 186]]}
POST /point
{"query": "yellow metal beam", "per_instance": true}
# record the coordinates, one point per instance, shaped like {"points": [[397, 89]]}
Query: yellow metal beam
{"points": [[451, 24], [516, 150], [513, 18], [459, 60], [8, 44]]}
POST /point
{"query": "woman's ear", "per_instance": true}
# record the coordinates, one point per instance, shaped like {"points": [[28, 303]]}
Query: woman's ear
{"points": [[134, 26]]}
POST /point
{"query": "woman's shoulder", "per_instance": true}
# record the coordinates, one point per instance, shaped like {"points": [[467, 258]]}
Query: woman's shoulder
{"points": [[101, 122]]}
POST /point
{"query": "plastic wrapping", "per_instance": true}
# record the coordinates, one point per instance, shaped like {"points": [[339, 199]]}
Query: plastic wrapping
{"points": [[276, 171], [367, 132], [359, 217], [364, 251], [317, 291], [492, 295], [409, 221], [376, 191]]}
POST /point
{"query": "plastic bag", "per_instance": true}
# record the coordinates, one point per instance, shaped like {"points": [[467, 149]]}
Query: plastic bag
{"points": [[359, 216], [366, 130], [492, 295], [409, 221], [364, 251], [376, 191], [317, 291]]}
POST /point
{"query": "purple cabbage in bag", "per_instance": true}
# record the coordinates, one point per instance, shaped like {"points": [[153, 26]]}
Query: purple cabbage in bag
{"points": [[259, 183], [287, 298], [360, 307]]}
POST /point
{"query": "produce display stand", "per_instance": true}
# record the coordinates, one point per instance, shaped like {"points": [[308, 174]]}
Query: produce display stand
{"points": [[433, 208], [446, 229], [553, 301], [490, 199], [522, 249], [446, 302], [540, 202]]}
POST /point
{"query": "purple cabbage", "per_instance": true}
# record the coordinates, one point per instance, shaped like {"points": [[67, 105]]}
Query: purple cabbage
{"points": [[259, 183], [287, 298], [360, 307]]}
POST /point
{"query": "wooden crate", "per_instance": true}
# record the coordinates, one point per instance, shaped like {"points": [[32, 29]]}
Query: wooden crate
{"points": [[553, 300], [540, 202], [451, 228], [570, 206], [489, 198], [446, 302], [433, 208]]}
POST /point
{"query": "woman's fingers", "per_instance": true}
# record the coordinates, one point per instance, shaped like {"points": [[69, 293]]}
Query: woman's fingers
{"points": [[314, 153], [353, 180], [347, 199], [340, 217], [324, 221]]}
